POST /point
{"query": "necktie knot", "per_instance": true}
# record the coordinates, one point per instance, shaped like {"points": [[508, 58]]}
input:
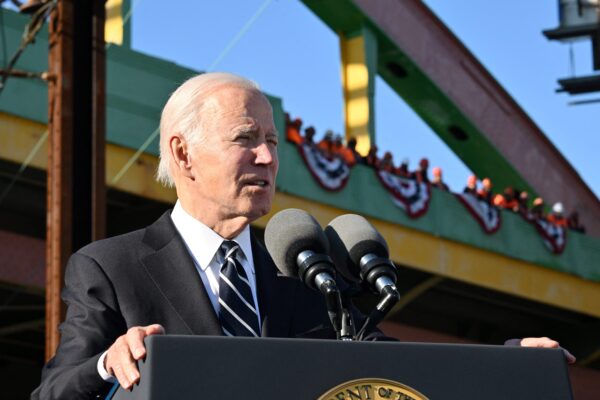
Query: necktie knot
{"points": [[229, 248], [230, 253]]}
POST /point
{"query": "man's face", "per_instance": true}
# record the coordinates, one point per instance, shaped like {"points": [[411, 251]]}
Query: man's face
{"points": [[235, 163]]}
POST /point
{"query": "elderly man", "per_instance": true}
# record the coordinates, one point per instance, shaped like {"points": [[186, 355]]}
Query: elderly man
{"points": [[197, 270]]}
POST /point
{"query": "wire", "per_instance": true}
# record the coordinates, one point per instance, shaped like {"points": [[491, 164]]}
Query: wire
{"points": [[156, 131], [31, 30], [240, 34], [43, 138], [222, 55], [135, 156]]}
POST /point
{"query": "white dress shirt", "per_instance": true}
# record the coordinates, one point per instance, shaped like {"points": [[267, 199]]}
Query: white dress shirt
{"points": [[203, 244]]}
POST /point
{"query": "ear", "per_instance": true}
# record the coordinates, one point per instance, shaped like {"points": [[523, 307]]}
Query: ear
{"points": [[182, 159]]}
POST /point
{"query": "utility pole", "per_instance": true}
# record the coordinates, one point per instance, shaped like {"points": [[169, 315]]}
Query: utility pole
{"points": [[76, 194]]}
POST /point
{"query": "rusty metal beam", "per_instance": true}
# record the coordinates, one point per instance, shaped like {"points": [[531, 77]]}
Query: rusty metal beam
{"points": [[75, 198]]}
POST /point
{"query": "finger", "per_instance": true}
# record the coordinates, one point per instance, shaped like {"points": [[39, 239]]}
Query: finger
{"points": [[539, 342], [154, 329], [570, 357], [126, 362], [113, 363], [135, 340], [118, 373], [549, 344]]}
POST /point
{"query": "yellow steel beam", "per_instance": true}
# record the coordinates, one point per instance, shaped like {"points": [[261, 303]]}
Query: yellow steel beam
{"points": [[454, 260], [409, 247], [358, 87], [18, 136], [113, 28]]}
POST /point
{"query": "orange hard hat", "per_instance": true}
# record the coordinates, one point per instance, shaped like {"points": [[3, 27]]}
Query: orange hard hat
{"points": [[538, 201]]}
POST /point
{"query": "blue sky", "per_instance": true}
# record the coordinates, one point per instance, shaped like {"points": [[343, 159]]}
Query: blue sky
{"points": [[294, 56]]}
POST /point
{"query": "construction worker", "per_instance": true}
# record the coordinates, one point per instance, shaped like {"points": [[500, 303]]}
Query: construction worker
{"points": [[556, 216], [471, 187], [293, 129], [387, 162], [523, 200], [537, 211], [437, 179], [371, 159], [507, 200], [343, 152], [326, 144], [309, 134], [356, 156], [403, 169], [421, 174], [485, 192]]}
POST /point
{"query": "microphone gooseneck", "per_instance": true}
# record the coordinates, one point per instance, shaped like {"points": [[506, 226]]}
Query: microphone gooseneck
{"points": [[361, 256]]}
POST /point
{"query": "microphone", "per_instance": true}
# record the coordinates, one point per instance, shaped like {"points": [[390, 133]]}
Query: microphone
{"points": [[299, 249], [361, 255]]}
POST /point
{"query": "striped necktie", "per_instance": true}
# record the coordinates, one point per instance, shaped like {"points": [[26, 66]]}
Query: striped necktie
{"points": [[237, 312]]}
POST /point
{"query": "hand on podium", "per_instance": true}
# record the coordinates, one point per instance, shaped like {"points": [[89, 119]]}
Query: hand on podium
{"points": [[549, 344], [129, 348]]}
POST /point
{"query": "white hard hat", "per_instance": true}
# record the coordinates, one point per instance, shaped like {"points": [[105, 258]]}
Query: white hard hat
{"points": [[557, 208]]}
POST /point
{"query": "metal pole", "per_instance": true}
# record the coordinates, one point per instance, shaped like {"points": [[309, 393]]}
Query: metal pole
{"points": [[59, 196], [75, 185], [98, 121]]}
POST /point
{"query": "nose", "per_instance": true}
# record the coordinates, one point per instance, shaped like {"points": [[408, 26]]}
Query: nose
{"points": [[264, 154]]}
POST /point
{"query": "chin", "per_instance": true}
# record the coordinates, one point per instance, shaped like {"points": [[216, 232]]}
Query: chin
{"points": [[255, 212]]}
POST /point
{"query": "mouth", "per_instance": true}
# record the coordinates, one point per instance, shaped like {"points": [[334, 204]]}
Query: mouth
{"points": [[260, 183]]}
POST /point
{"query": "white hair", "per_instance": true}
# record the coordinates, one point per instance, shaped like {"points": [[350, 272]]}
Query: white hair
{"points": [[183, 113]]}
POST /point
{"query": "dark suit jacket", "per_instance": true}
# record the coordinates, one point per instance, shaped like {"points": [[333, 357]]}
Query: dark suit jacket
{"points": [[146, 277]]}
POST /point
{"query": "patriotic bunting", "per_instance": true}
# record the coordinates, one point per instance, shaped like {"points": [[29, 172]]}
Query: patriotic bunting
{"points": [[485, 214], [408, 194], [554, 236], [331, 173]]}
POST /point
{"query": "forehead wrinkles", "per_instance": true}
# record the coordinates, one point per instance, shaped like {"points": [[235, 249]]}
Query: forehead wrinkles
{"points": [[226, 105]]}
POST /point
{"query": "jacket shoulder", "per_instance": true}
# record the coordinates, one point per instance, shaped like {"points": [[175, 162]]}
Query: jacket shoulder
{"points": [[133, 244]]}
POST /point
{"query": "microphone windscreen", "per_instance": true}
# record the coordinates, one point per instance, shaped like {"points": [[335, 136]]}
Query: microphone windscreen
{"points": [[290, 232], [351, 237]]}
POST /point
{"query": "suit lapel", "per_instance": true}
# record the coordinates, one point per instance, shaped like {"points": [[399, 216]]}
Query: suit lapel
{"points": [[172, 269], [275, 294]]}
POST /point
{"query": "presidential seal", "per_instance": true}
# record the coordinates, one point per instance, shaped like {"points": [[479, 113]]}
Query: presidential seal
{"points": [[372, 389]]}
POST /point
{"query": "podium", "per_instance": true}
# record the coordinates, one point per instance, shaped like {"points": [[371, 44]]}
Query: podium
{"points": [[204, 367]]}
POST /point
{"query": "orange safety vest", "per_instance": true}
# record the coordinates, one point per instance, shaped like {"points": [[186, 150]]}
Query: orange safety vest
{"points": [[293, 135], [556, 220]]}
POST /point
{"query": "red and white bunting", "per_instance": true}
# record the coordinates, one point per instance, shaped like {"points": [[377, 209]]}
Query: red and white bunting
{"points": [[554, 236], [330, 173], [485, 214], [408, 194]]}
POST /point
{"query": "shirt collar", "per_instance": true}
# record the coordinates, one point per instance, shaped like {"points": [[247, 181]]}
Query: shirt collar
{"points": [[203, 242]]}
